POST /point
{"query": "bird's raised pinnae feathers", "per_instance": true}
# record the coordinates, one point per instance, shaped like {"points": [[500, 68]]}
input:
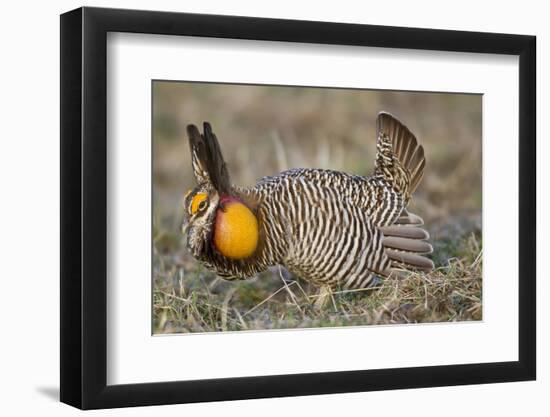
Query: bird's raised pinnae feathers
{"points": [[207, 158]]}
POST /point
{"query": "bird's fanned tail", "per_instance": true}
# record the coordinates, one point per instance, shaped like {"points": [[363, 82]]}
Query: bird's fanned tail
{"points": [[400, 159]]}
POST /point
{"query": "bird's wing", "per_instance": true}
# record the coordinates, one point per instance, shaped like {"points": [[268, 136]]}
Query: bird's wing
{"points": [[405, 242]]}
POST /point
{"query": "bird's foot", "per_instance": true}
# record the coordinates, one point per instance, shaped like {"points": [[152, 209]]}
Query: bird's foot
{"points": [[325, 294]]}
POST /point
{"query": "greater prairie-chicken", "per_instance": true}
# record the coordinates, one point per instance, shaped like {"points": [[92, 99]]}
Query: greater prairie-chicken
{"points": [[331, 228]]}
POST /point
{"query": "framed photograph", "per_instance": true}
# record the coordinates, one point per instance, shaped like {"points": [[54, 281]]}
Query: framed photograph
{"points": [[258, 208]]}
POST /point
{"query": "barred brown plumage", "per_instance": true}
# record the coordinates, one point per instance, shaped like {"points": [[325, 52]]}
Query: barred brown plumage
{"points": [[328, 227]]}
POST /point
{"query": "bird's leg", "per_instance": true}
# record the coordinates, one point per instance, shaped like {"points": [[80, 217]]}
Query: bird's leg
{"points": [[325, 293]]}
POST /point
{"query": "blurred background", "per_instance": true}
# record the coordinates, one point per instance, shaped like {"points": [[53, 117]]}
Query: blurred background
{"points": [[264, 130]]}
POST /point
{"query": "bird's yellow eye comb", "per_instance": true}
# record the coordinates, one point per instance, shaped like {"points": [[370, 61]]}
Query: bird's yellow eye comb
{"points": [[197, 200]]}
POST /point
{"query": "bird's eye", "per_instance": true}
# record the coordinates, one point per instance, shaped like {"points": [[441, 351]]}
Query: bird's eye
{"points": [[199, 203], [202, 205]]}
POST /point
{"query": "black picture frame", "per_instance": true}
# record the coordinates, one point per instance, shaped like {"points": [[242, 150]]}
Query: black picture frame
{"points": [[84, 207]]}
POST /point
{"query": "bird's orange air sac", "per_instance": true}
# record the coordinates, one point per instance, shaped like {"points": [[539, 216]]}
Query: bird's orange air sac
{"points": [[236, 229]]}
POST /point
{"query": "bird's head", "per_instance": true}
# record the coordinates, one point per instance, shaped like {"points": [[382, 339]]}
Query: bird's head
{"points": [[215, 217]]}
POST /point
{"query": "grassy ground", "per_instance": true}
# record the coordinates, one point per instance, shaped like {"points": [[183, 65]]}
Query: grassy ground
{"points": [[188, 298], [265, 130]]}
